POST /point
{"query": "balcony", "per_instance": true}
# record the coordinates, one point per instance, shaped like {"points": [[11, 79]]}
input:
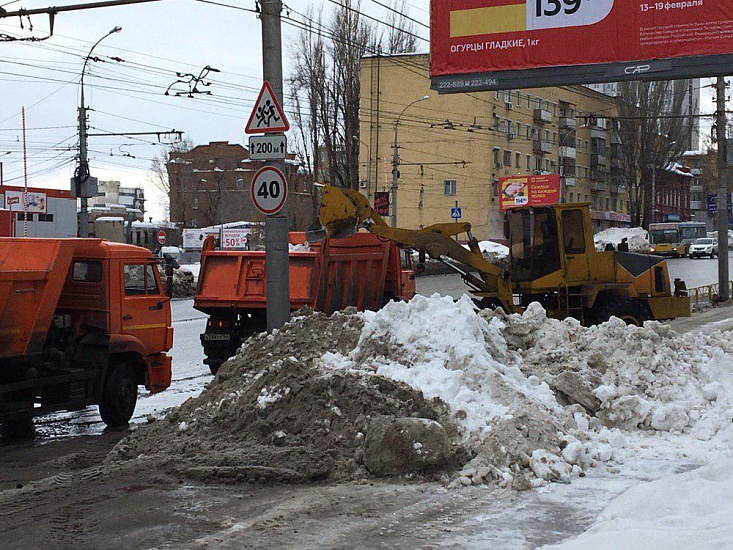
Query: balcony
{"points": [[617, 163], [597, 160], [541, 146], [568, 123], [598, 186], [541, 116], [598, 133], [567, 152]]}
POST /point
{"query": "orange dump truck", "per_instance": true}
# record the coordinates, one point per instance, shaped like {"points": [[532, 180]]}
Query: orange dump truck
{"points": [[362, 271], [82, 322]]}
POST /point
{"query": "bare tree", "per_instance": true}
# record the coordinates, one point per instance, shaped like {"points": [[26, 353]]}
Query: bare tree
{"points": [[401, 36], [653, 134], [158, 172]]}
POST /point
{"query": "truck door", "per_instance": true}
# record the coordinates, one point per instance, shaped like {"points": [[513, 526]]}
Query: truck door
{"points": [[145, 311], [575, 247]]}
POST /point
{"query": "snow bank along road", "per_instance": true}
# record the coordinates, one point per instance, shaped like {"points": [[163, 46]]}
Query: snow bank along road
{"points": [[661, 405]]}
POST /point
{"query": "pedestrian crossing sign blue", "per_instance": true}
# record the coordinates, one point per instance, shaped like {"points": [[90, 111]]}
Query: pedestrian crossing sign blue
{"points": [[455, 213]]}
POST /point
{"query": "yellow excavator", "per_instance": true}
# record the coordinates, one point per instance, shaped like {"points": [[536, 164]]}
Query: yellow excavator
{"points": [[552, 260]]}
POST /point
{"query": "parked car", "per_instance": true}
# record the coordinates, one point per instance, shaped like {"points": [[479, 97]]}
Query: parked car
{"points": [[705, 246]]}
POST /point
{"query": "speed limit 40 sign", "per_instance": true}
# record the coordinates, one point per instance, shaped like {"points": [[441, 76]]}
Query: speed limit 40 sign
{"points": [[269, 190]]}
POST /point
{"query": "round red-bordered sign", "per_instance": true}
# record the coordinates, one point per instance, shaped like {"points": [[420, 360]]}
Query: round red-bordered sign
{"points": [[269, 190], [161, 236]]}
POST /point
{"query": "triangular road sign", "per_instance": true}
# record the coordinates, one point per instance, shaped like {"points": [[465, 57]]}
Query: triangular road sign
{"points": [[267, 116]]}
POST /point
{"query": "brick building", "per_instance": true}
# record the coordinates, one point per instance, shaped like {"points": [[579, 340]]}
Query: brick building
{"points": [[210, 185], [672, 191]]}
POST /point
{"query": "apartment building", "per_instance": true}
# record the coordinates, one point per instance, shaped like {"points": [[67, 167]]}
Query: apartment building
{"points": [[453, 148]]}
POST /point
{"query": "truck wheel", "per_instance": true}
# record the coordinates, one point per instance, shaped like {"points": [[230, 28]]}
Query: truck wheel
{"points": [[628, 310], [119, 395]]}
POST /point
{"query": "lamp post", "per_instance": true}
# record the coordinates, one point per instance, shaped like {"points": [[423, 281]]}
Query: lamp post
{"points": [[396, 162], [82, 170], [1, 166], [561, 163]]}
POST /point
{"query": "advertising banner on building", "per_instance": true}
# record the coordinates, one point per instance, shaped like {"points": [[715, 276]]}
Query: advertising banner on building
{"points": [[516, 191], [607, 40], [36, 201]]}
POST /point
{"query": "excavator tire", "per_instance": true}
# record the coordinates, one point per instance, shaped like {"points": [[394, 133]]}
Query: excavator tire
{"points": [[629, 310], [119, 395]]}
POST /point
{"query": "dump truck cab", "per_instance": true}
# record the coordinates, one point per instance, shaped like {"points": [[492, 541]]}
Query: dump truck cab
{"points": [[82, 321]]}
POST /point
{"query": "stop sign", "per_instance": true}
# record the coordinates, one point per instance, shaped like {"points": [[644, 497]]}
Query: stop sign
{"points": [[161, 236]]}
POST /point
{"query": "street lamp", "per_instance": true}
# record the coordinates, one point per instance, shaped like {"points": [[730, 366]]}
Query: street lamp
{"points": [[1, 166], [82, 171], [396, 161], [561, 163]]}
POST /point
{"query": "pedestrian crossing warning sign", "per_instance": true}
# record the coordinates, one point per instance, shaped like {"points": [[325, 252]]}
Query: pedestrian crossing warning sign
{"points": [[267, 115]]}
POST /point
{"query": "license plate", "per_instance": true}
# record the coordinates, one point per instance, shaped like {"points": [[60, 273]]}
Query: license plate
{"points": [[217, 336]]}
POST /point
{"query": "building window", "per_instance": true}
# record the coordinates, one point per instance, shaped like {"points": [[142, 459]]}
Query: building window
{"points": [[538, 103], [449, 187], [571, 198], [538, 164], [45, 217], [547, 165], [529, 163], [195, 203], [507, 158], [519, 128], [497, 158], [586, 145], [529, 101], [519, 98], [529, 131], [21, 216], [517, 159], [496, 94]]}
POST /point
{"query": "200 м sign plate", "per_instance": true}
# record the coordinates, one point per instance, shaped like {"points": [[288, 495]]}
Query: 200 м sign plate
{"points": [[267, 147], [269, 190]]}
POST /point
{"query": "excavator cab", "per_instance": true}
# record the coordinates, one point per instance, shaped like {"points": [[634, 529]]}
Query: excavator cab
{"points": [[533, 243]]}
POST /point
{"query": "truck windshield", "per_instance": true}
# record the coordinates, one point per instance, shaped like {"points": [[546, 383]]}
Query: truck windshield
{"points": [[533, 243]]}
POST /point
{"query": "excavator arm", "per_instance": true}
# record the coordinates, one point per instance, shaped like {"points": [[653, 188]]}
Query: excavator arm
{"points": [[343, 211]]}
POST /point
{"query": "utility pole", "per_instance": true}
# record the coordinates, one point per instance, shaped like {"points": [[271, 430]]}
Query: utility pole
{"points": [[722, 206], [277, 255], [396, 162], [82, 178]]}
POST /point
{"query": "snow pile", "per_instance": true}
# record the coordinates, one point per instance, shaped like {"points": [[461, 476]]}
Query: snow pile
{"points": [[494, 252], [272, 414], [689, 510], [521, 399], [638, 238]]}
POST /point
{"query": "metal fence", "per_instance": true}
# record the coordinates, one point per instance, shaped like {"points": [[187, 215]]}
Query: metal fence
{"points": [[705, 295]]}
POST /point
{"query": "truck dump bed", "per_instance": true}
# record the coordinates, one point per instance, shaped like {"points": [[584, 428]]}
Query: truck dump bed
{"points": [[32, 275], [332, 275]]}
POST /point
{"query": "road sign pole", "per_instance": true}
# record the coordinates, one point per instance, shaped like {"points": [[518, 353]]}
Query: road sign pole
{"points": [[723, 275], [277, 275]]}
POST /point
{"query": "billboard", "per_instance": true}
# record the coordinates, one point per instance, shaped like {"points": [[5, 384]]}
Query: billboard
{"points": [[516, 191], [381, 203], [504, 44], [36, 201]]}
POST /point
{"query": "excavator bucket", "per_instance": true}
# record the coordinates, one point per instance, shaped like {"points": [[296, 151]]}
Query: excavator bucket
{"points": [[316, 232], [338, 214]]}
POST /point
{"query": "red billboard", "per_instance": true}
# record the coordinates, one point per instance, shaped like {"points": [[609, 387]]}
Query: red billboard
{"points": [[517, 191], [483, 38]]}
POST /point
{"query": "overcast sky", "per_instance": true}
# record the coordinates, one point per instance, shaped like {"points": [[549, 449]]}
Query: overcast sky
{"points": [[127, 95]]}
